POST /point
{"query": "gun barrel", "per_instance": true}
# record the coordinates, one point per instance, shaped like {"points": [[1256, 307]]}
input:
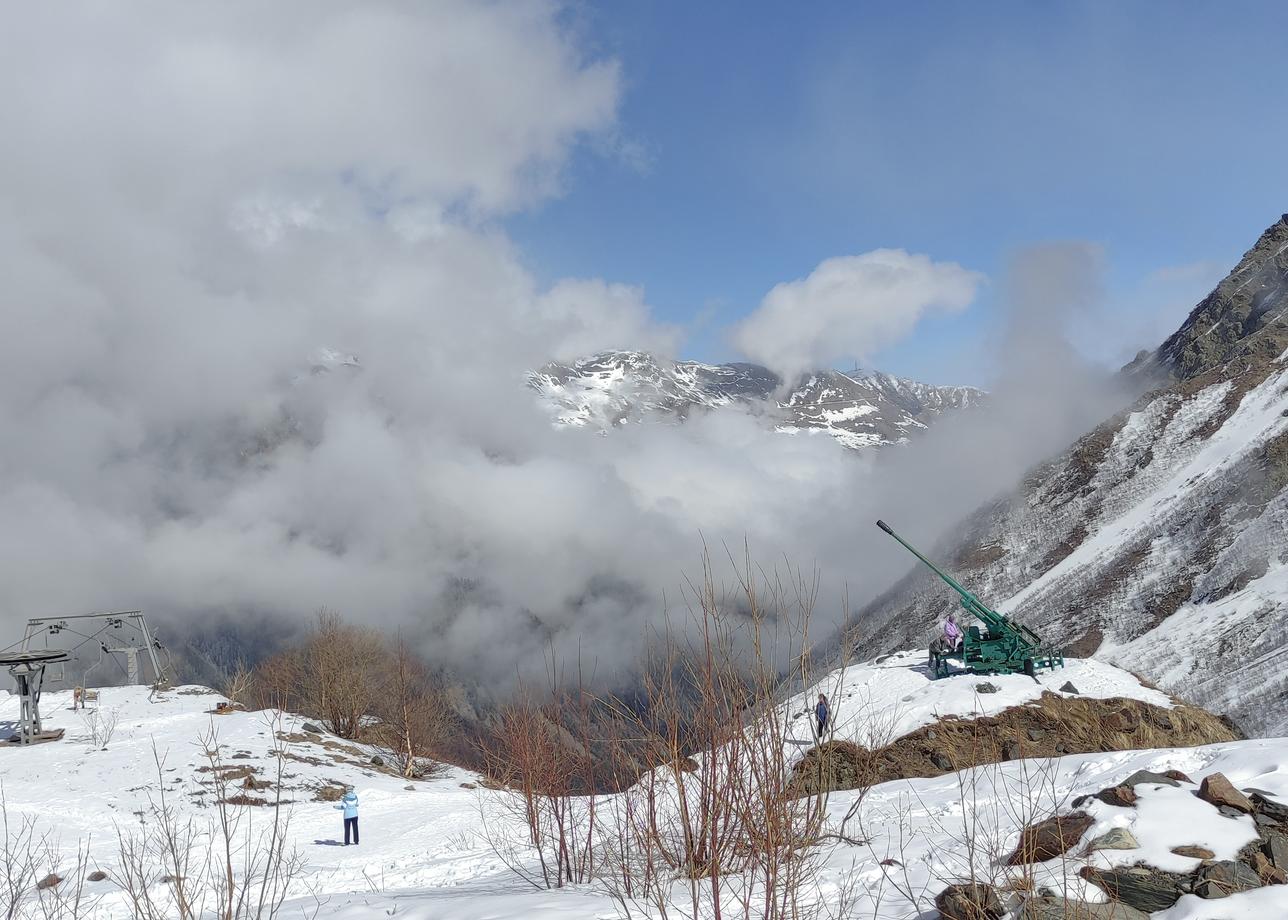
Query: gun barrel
{"points": [[934, 568], [969, 601]]}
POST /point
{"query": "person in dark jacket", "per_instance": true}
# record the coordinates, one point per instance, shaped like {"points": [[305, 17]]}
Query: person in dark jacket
{"points": [[349, 805], [821, 713]]}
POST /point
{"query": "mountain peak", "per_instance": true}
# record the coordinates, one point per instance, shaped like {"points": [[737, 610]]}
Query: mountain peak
{"points": [[1241, 316], [859, 408]]}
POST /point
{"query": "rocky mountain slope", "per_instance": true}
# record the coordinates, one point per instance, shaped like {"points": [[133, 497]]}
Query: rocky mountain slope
{"points": [[1158, 541], [860, 409]]}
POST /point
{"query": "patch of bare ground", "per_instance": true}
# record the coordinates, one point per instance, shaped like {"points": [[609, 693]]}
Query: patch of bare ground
{"points": [[1085, 646], [331, 791], [1051, 726], [341, 754]]}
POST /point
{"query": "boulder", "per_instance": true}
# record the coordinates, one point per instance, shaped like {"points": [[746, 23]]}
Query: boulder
{"points": [[1068, 687], [1276, 847], [1144, 776], [970, 901], [1193, 852], [49, 881], [986, 688], [1119, 838], [1011, 751], [98, 875], [377, 760], [1224, 878], [310, 727], [1035, 734], [941, 761], [1140, 887], [1118, 796], [1220, 791], [1266, 870], [1053, 908], [1269, 808], [1177, 775], [1050, 838]]}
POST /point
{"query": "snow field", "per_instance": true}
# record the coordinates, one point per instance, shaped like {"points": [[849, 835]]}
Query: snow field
{"points": [[422, 855]]}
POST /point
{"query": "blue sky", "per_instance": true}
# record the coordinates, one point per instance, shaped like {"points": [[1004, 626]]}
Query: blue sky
{"points": [[756, 140]]}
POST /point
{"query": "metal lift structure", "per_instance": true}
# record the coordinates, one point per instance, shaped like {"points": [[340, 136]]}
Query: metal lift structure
{"points": [[98, 640]]}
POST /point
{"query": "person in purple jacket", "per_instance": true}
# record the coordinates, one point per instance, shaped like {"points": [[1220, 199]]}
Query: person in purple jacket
{"points": [[949, 642]]}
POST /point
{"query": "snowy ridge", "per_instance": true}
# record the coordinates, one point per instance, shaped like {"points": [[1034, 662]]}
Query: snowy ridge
{"points": [[886, 699], [859, 409]]}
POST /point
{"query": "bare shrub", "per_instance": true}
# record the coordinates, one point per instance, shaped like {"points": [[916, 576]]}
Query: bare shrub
{"points": [[540, 758], [100, 726], [230, 866], [720, 828]]}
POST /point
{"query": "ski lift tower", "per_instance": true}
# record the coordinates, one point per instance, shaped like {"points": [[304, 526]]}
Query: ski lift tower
{"points": [[28, 670]]}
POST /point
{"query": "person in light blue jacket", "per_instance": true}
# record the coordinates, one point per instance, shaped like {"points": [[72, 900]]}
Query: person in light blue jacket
{"points": [[349, 805]]}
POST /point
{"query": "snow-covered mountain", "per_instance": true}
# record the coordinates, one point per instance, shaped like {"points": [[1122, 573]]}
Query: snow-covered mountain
{"points": [[1160, 539], [859, 409]]}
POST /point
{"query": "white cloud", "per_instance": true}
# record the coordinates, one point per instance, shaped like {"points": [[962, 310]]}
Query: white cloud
{"points": [[850, 307], [205, 193], [593, 316]]}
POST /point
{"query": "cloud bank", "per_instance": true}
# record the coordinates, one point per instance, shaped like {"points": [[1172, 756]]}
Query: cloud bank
{"points": [[850, 307], [207, 194]]}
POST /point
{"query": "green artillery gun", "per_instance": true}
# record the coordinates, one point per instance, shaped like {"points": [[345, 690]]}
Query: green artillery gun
{"points": [[1005, 647]]}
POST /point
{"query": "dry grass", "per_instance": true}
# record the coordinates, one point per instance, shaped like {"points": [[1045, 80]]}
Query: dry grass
{"points": [[1050, 727]]}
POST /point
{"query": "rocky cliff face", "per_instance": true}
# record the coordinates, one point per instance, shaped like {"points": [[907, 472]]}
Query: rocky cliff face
{"points": [[1158, 541], [860, 409]]}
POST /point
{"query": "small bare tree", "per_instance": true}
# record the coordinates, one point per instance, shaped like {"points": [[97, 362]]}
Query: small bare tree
{"points": [[237, 683], [414, 714], [337, 675]]}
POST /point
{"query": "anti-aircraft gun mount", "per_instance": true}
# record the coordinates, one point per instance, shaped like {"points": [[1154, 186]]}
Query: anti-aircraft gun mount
{"points": [[1003, 647]]}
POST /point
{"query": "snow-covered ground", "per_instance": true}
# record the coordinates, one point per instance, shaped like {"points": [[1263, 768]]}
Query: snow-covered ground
{"points": [[422, 854]]}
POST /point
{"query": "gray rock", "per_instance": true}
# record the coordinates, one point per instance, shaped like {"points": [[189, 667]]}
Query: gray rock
{"points": [[98, 875], [310, 727], [1119, 838], [1144, 776], [1145, 889], [377, 760], [1224, 878], [1036, 734], [1069, 687], [1011, 751], [1229, 812], [1055, 908], [969, 902], [941, 761], [985, 688], [1276, 847], [1271, 809], [51, 880]]}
